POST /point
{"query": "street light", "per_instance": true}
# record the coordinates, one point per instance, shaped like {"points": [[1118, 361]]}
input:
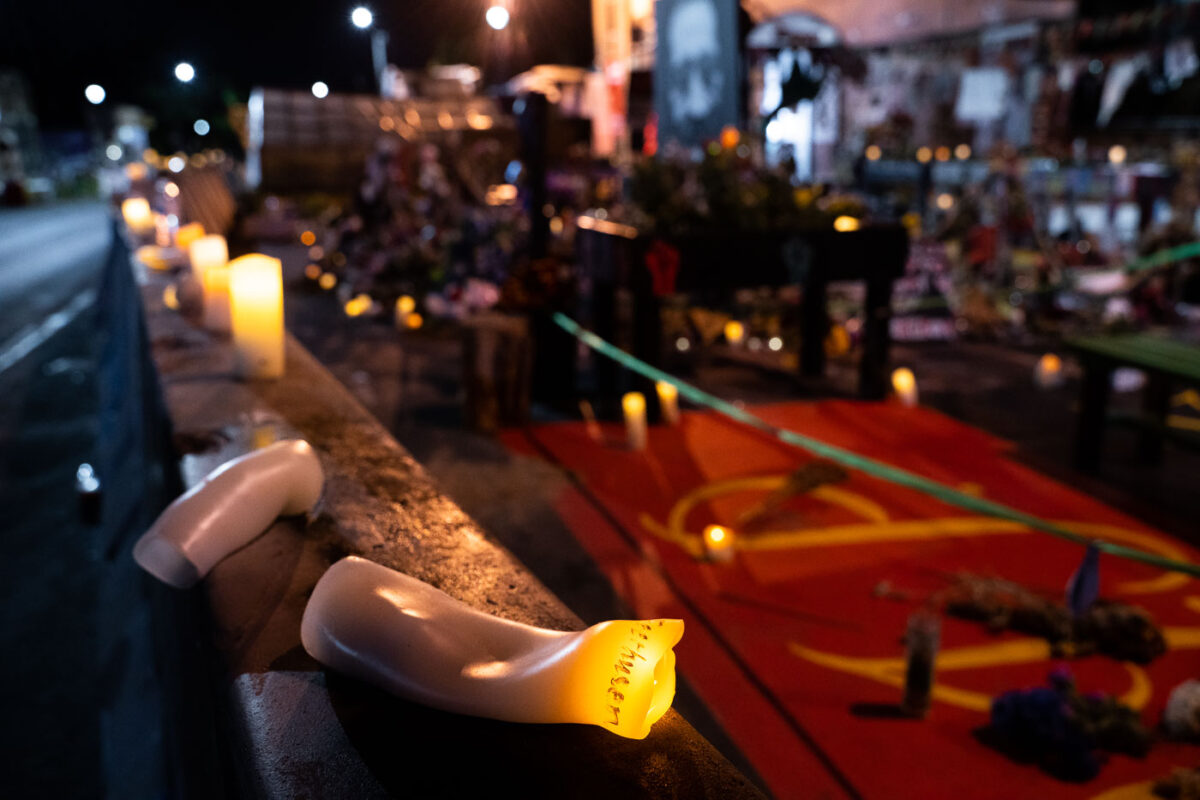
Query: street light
{"points": [[95, 93], [320, 90], [497, 17], [185, 72], [362, 17]]}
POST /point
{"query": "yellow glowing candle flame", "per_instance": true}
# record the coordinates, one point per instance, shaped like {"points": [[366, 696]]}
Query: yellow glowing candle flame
{"points": [[905, 385], [846, 224], [634, 406], [668, 401], [734, 331], [137, 214], [718, 543]]}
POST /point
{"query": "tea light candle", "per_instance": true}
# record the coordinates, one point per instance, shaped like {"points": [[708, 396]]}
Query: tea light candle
{"points": [[734, 332], [408, 638], [405, 305], [634, 406], [904, 383], [215, 282], [207, 251], [1049, 372], [256, 313], [668, 402], [187, 234], [718, 543], [137, 214]]}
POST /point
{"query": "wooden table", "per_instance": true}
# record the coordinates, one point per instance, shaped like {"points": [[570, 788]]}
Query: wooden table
{"points": [[1165, 359]]}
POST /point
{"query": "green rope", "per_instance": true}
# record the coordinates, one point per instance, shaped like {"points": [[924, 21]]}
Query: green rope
{"points": [[871, 467], [1163, 257]]}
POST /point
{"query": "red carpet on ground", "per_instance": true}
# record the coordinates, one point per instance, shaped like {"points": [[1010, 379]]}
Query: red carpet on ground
{"points": [[796, 644]]}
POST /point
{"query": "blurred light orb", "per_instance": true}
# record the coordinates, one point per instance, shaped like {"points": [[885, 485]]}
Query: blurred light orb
{"points": [[308, 238], [185, 72], [201, 127], [942, 153], [171, 189], [924, 154], [962, 152], [114, 152], [873, 152], [775, 344], [497, 18], [1116, 154], [846, 224], [312, 272], [176, 163], [95, 94], [945, 201], [362, 17], [682, 344], [320, 90]]}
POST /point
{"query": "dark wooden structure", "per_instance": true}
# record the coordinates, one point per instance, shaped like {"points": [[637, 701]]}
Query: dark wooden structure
{"points": [[613, 263], [1167, 361]]}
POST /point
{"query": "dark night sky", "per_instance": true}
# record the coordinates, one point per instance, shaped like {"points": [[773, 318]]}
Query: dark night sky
{"points": [[131, 46]]}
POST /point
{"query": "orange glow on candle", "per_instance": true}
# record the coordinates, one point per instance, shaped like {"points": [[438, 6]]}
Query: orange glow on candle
{"points": [[634, 406], [668, 402], [137, 214], [904, 383], [734, 332], [188, 235], [718, 543]]}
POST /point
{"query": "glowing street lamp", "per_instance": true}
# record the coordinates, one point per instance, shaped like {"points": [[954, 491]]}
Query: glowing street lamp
{"points": [[95, 93], [362, 17], [184, 72], [497, 17]]}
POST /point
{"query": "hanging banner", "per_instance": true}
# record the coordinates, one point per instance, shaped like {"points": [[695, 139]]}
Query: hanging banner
{"points": [[696, 71]]}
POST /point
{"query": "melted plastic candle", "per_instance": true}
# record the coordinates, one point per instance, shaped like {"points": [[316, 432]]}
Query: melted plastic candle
{"points": [[232, 505], [406, 637]]}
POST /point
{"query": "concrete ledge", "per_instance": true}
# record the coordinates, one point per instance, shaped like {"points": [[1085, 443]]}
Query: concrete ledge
{"points": [[300, 732]]}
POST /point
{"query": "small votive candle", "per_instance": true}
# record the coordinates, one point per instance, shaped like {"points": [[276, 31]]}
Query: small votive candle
{"points": [[718, 543], [187, 234], [734, 332], [1049, 372], [405, 305], [904, 383], [207, 251], [256, 313], [634, 406], [668, 402], [137, 214]]}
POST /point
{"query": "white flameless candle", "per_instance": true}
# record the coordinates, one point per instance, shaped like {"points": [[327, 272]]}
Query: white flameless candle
{"points": [[256, 314], [406, 637], [137, 214], [232, 505], [634, 406], [208, 251], [904, 383], [668, 402], [718, 543]]}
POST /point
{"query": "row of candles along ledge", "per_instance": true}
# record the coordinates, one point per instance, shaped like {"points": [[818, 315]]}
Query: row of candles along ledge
{"points": [[243, 297]]}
